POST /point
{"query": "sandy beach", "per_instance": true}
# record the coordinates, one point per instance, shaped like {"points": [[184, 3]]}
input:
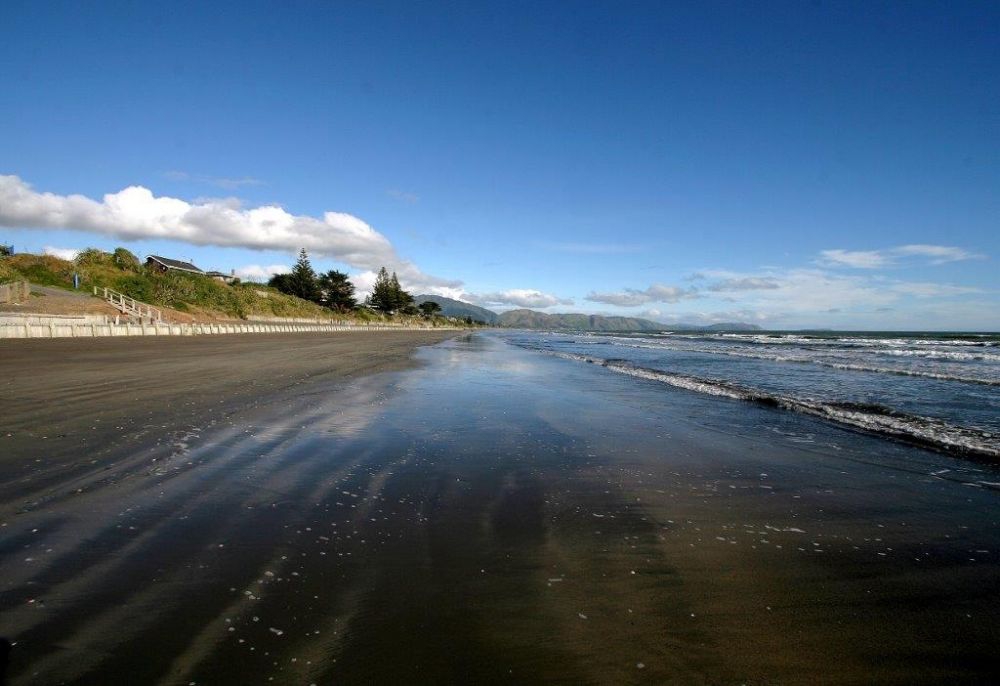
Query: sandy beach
{"points": [[78, 405], [308, 509]]}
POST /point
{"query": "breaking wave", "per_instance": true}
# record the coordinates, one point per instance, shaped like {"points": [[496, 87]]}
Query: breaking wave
{"points": [[868, 417], [846, 366]]}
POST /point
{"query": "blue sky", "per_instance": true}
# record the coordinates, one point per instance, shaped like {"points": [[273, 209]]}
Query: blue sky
{"points": [[790, 164]]}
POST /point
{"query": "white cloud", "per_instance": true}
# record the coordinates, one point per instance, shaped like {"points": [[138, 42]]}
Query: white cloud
{"points": [[631, 297], [873, 259], [774, 297], [62, 253], [939, 254], [256, 272], [135, 213], [859, 259], [803, 291], [798, 293], [516, 297]]}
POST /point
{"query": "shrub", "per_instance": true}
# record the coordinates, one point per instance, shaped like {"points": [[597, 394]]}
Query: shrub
{"points": [[126, 261], [94, 257], [7, 272], [45, 270]]}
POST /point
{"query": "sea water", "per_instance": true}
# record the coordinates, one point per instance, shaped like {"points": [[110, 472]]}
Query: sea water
{"points": [[937, 390]]}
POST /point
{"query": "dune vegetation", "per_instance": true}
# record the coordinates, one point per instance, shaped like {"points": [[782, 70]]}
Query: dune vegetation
{"points": [[190, 293]]}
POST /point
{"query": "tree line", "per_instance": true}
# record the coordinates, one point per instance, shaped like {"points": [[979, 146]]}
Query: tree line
{"points": [[334, 290]]}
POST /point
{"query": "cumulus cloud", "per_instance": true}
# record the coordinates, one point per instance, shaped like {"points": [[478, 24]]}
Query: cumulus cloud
{"points": [[516, 297], [62, 253], [873, 259], [135, 213], [631, 297]]}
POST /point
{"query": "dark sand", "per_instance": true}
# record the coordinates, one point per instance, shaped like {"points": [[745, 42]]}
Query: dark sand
{"points": [[246, 510], [71, 406]]}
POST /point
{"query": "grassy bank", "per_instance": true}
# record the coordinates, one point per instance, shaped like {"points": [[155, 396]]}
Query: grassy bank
{"points": [[188, 293]]}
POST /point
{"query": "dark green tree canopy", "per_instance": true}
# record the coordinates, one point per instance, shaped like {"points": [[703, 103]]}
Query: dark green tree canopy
{"points": [[302, 280], [337, 292], [429, 308], [387, 295], [281, 282], [401, 298], [382, 298]]}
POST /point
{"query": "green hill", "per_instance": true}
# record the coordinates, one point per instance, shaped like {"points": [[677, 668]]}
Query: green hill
{"points": [[192, 294], [729, 326], [529, 319], [457, 308]]}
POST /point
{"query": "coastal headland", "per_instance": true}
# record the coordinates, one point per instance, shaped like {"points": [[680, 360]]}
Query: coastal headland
{"points": [[400, 508]]}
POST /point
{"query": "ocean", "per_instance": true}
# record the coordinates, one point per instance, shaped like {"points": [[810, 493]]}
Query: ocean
{"points": [[937, 390]]}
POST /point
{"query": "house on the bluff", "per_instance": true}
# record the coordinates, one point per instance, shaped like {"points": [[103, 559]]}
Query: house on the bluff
{"points": [[165, 264], [222, 276]]}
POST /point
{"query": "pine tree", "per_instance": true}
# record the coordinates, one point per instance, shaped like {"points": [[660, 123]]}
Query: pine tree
{"points": [[302, 280], [401, 299], [382, 297]]}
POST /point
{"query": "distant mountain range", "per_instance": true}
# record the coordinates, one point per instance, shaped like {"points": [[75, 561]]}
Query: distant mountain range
{"points": [[457, 308], [530, 319], [723, 326]]}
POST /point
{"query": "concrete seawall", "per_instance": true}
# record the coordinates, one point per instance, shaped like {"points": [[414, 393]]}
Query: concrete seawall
{"points": [[56, 329]]}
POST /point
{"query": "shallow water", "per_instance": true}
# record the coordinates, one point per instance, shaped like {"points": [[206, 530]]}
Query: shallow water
{"points": [[502, 515], [938, 390]]}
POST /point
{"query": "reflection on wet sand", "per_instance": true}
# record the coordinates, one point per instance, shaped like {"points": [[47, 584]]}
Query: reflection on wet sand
{"points": [[501, 516]]}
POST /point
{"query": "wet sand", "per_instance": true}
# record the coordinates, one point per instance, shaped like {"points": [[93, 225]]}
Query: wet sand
{"points": [[71, 406], [490, 515]]}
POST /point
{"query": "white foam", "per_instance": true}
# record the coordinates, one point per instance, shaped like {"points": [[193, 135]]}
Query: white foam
{"points": [[924, 430]]}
